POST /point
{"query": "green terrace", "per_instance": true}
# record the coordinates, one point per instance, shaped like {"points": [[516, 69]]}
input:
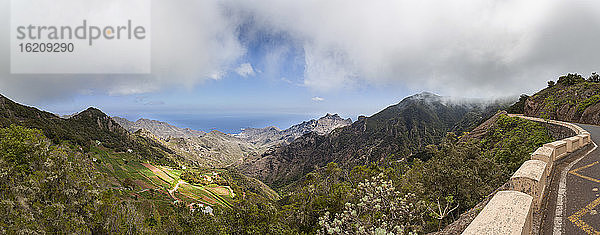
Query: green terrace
{"points": [[151, 181]]}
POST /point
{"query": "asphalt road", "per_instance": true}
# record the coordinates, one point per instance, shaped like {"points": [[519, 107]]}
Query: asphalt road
{"points": [[581, 199]]}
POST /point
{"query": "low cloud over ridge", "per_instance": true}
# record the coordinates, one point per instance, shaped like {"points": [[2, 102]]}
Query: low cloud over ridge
{"points": [[461, 48]]}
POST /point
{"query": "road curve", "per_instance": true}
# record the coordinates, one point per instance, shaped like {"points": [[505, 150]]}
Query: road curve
{"points": [[580, 213]]}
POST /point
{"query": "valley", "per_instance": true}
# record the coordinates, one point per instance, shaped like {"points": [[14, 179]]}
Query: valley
{"points": [[429, 150], [300, 117], [142, 179]]}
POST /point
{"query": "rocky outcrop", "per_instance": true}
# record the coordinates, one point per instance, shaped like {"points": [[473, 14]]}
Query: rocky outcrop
{"points": [[483, 128], [579, 102], [270, 136]]}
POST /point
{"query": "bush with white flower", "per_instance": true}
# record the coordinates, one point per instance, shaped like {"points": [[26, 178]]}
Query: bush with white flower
{"points": [[380, 209]]}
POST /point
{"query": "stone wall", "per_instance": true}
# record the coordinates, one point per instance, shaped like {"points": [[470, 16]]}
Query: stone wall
{"points": [[511, 211]]}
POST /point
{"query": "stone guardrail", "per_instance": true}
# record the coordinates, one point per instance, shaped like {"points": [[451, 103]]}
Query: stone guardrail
{"points": [[511, 211]]}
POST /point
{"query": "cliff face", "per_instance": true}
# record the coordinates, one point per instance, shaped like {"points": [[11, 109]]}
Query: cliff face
{"points": [[573, 102]]}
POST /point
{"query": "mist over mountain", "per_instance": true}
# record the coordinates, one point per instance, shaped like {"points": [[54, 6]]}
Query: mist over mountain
{"points": [[298, 117], [399, 130]]}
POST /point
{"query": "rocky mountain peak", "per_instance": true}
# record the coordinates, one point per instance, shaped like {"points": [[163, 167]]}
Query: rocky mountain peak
{"points": [[422, 97], [270, 136], [91, 112]]}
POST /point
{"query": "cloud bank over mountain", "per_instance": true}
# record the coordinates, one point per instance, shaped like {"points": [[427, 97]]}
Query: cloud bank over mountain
{"points": [[192, 41], [466, 48], [474, 47]]}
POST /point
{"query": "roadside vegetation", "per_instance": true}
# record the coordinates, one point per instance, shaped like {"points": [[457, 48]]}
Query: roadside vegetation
{"points": [[568, 98], [51, 188]]}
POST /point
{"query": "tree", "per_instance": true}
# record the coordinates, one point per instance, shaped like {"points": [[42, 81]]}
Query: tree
{"points": [[321, 191], [570, 79], [550, 83], [439, 211], [594, 77], [519, 106]]}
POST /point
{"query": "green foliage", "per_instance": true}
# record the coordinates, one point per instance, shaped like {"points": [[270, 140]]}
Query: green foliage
{"points": [[594, 77], [320, 192], [19, 147], [202, 178], [587, 103], [44, 188], [512, 140], [458, 171], [570, 79], [519, 106], [380, 209], [466, 172]]}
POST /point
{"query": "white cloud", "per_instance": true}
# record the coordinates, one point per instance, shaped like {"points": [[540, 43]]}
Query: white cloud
{"points": [[463, 47], [316, 98], [192, 42], [245, 70]]}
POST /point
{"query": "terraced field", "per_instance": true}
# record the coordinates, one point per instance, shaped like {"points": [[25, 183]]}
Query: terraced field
{"points": [[149, 181]]}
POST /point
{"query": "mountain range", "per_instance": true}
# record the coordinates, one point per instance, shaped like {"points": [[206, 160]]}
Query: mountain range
{"points": [[158, 128], [270, 136], [216, 149], [148, 164], [399, 130], [276, 157]]}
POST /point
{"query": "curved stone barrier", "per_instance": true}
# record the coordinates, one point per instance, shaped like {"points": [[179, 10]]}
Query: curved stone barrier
{"points": [[511, 212], [545, 154], [559, 147], [585, 139], [572, 144], [530, 179]]}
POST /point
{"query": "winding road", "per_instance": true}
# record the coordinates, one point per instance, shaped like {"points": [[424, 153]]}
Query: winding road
{"points": [[574, 206]]}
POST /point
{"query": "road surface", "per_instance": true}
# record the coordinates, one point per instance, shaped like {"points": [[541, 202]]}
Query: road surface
{"points": [[580, 196]]}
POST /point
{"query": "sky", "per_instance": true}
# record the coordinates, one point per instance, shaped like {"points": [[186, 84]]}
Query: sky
{"points": [[227, 64]]}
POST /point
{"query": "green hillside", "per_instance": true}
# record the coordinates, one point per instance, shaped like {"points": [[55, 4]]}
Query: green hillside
{"points": [[572, 98], [399, 130], [90, 176]]}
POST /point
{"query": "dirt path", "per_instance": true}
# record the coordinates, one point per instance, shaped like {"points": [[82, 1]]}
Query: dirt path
{"points": [[172, 191]]}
